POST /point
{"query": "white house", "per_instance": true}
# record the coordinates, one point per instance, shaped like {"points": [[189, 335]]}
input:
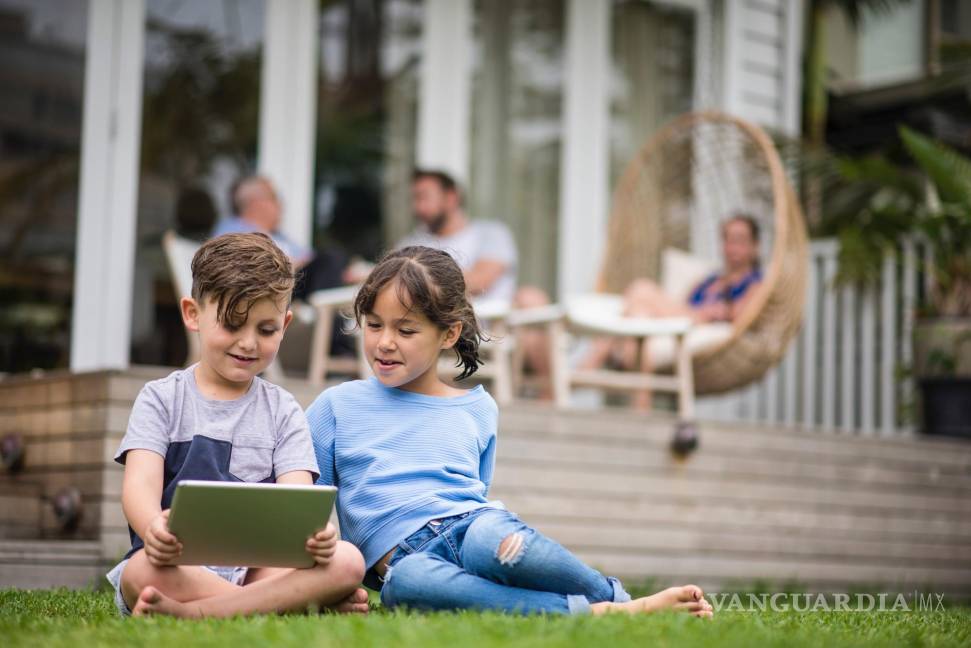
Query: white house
{"points": [[533, 105]]}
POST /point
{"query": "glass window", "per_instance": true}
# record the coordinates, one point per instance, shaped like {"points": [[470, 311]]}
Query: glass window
{"points": [[200, 120], [42, 55], [367, 111], [652, 78], [516, 125], [886, 47]]}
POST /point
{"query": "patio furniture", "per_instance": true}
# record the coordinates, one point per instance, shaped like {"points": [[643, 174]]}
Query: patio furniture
{"points": [[695, 172], [328, 305], [178, 253]]}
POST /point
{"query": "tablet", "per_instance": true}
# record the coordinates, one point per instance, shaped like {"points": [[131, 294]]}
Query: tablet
{"points": [[251, 525]]}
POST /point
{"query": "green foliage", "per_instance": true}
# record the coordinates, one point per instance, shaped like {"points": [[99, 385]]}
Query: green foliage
{"points": [[72, 619], [200, 103], [873, 205]]}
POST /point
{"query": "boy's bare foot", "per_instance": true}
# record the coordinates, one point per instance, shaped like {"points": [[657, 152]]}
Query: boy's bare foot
{"points": [[355, 603], [687, 598], [151, 602]]}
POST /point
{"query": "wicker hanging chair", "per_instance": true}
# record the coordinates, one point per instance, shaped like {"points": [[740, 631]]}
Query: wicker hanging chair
{"points": [[695, 172]]}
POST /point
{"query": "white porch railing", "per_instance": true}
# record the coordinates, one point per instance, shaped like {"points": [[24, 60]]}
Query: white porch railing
{"points": [[845, 369]]}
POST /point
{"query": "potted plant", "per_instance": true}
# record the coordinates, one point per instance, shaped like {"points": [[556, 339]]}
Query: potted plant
{"points": [[883, 204]]}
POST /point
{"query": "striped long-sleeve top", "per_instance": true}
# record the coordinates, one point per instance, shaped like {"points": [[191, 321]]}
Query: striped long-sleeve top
{"points": [[401, 459]]}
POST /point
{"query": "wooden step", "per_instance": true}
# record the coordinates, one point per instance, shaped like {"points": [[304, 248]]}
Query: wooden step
{"points": [[686, 567], [41, 564], [581, 478], [622, 536], [868, 474], [734, 515], [536, 420]]}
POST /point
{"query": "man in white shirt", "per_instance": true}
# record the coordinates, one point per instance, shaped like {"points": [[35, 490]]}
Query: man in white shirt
{"points": [[485, 250]]}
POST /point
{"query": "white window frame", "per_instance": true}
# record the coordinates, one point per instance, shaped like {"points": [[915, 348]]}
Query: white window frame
{"points": [[584, 168], [288, 110], [108, 188], [445, 83]]}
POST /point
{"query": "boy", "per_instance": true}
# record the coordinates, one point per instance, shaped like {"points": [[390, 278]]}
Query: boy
{"points": [[218, 420]]}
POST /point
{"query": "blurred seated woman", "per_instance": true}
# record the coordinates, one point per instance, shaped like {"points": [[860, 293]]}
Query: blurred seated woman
{"points": [[719, 298]]}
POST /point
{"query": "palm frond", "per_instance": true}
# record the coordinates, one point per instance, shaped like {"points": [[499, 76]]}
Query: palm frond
{"points": [[948, 170]]}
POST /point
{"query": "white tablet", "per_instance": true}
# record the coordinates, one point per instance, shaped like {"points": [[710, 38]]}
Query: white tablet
{"points": [[252, 525]]}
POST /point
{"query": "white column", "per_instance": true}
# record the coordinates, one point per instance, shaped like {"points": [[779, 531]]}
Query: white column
{"points": [[794, 22], [444, 87], [731, 57], [110, 144], [584, 192], [288, 108]]}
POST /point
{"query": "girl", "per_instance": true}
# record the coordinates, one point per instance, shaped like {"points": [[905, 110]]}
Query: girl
{"points": [[414, 456]]}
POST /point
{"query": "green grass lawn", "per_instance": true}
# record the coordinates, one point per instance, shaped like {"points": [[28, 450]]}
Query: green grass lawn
{"points": [[81, 619]]}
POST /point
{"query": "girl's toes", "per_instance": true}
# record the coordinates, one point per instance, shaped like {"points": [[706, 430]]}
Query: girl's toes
{"points": [[690, 606], [692, 592]]}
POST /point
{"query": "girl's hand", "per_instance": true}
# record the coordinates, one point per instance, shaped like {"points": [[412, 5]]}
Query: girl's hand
{"points": [[161, 547], [323, 544]]}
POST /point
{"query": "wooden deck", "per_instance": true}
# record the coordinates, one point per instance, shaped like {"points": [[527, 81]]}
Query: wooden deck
{"points": [[787, 508], [821, 511]]}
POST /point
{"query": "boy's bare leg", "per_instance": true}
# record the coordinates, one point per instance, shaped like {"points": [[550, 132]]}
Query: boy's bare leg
{"points": [[354, 603], [687, 598], [181, 583], [287, 592]]}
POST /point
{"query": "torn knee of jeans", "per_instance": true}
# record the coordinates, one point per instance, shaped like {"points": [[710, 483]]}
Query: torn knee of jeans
{"points": [[511, 549]]}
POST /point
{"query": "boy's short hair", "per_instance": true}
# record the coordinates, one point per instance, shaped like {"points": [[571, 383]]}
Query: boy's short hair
{"points": [[237, 270]]}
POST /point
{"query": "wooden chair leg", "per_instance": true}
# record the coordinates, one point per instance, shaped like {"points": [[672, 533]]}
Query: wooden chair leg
{"points": [[685, 439], [274, 372], [559, 363], [642, 398], [517, 363], [364, 369], [686, 385], [502, 380], [320, 345]]}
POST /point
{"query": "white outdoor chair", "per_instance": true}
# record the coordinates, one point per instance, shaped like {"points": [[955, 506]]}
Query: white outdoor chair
{"points": [[327, 304], [178, 253], [600, 314]]}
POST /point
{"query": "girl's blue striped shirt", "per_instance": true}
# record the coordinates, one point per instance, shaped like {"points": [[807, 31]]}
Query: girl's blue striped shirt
{"points": [[401, 459]]}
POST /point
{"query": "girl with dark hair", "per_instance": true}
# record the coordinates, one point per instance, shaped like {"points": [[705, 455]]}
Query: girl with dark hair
{"points": [[414, 457]]}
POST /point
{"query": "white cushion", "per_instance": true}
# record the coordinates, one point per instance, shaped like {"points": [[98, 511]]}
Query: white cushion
{"points": [[602, 313], [681, 272], [701, 337]]}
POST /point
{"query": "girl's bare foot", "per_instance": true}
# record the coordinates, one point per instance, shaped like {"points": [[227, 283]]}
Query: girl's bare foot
{"points": [[151, 601], [355, 603], [687, 598]]}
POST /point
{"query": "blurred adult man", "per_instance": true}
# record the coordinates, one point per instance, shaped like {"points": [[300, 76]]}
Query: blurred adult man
{"points": [[485, 250]]}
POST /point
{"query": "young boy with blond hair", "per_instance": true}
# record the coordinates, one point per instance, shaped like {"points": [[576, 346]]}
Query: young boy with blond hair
{"points": [[218, 420]]}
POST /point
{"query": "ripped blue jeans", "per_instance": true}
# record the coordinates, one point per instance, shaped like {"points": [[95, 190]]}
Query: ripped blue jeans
{"points": [[460, 562]]}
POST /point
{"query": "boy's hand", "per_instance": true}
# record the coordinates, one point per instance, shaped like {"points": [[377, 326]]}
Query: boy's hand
{"points": [[161, 547], [323, 544]]}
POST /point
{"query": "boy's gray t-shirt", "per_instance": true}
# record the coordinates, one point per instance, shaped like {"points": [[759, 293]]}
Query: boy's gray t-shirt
{"points": [[255, 438]]}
